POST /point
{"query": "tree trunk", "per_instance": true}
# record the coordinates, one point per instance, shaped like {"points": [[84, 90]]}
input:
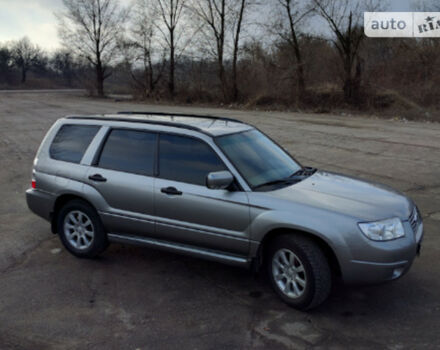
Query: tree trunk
{"points": [[235, 57], [171, 86], [99, 80], [348, 87], [300, 71], [221, 74], [23, 74], [301, 85], [221, 47], [352, 84], [150, 75], [349, 80], [352, 81], [234, 79]]}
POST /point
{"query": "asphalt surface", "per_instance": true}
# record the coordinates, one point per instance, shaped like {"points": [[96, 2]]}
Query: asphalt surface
{"points": [[136, 298]]}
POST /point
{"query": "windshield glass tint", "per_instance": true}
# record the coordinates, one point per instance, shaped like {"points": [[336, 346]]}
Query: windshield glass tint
{"points": [[257, 158]]}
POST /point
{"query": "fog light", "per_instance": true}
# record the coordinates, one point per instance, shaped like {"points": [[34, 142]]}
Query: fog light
{"points": [[397, 272]]}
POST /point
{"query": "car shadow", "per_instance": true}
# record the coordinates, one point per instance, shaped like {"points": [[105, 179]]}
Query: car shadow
{"points": [[383, 300]]}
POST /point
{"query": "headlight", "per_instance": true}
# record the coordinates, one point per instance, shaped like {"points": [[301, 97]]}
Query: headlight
{"points": [[384, 230]]}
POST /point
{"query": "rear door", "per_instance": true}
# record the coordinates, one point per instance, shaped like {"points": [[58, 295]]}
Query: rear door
{"points": [[123, 175], [186, 210]]}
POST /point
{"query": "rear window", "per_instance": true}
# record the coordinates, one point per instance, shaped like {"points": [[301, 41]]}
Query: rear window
{"points": [[71, 142], [129, 151]]}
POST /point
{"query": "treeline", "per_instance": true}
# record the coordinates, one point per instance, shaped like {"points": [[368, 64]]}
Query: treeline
{"points": [[287, 53], [25, 65]]}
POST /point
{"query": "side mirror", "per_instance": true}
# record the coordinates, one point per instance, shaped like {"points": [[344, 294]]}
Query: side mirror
{"points": [[219, 180]]}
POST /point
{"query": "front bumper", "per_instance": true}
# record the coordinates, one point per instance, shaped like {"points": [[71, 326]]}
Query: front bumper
{"points": [[402, 253], [40, 203]]}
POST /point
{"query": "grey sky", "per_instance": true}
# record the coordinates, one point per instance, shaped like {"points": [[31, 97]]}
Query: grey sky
{"points": [[36, 19], [400, 5]]}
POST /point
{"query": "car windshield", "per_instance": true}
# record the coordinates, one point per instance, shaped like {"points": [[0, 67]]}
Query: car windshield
{"points": [[258, 159]]}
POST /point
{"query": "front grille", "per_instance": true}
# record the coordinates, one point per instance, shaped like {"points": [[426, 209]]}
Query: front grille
{"points": [[414, 219]]}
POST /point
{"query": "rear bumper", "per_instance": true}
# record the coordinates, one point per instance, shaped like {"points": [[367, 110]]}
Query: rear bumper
{"points": [[40, 203], [370, 272]]}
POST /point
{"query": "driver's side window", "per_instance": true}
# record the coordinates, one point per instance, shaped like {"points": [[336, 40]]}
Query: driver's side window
{"points": [[186, 159]]}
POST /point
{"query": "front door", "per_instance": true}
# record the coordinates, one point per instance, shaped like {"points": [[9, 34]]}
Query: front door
{"points": [[186, 210]]}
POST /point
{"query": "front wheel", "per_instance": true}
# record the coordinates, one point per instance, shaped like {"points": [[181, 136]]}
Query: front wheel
{"points": [[299, 271], [81, 230]]}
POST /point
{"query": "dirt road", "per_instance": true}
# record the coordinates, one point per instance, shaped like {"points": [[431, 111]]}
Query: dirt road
{"points": [[134, 298]]}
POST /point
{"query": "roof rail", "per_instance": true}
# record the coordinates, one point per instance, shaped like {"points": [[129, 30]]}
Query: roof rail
{"points": [[130, 117], [145, 121], [182, 115]]}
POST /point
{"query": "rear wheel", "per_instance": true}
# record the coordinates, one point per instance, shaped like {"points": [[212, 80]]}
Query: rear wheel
{"points": [[80, 229], [299, 271]]}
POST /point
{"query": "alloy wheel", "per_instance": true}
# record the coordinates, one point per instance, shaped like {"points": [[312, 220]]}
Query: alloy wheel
{"points": [[79, 230], [288, 273]]}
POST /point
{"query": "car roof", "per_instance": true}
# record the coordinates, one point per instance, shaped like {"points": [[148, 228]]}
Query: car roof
{"points": [[210, 125]]}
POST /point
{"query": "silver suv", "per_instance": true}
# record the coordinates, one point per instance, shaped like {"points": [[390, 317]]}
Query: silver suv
{"points": [[219, 189]]}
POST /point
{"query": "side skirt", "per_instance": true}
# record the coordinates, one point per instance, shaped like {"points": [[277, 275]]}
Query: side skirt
{"points": [[183, 249]]}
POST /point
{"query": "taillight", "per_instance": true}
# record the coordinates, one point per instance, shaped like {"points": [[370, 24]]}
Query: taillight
{"points": [[34, 183]]}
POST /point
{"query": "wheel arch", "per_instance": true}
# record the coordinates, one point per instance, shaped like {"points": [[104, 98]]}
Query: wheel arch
{"points": [[60, 202], [325, 246]]}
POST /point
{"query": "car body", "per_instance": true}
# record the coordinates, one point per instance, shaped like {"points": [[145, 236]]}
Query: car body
{"points": [[201, 195]]}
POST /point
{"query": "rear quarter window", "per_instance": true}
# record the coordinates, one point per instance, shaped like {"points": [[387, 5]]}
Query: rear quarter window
{"points": [[71, 142]]}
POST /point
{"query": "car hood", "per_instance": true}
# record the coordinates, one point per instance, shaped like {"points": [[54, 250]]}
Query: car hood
{"points": [[347, 195]]}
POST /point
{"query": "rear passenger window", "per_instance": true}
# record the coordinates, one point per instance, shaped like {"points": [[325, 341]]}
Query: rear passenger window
{"points": [[71, 142], [129, 151], [186, 159]]}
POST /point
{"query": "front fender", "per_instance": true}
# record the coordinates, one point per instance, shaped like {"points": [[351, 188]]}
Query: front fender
{"points": [[332, 228]]}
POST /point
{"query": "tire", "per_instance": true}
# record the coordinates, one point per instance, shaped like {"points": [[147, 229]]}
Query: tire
{"points": [[80, 229], [299, 271]]}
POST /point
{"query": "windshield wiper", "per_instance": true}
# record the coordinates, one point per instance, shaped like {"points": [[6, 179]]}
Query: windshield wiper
{"points": [[297, 173], [304, 172], [276, 182], [297, 176]]}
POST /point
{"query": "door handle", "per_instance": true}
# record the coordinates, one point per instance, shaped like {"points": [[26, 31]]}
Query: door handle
{"points": [[97, 178], [171, 191]]}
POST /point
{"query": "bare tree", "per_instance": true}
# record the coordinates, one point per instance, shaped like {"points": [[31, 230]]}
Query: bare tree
{"points": [[5, 64], [344, 19], [171, 13], [213, 13], [141, 51], [64, 64], [90, 28], [25, 55], [222, 25], [292, 13], [238, 24]]}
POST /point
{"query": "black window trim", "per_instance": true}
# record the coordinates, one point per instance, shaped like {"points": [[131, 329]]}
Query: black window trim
{"points": [[98, 126], [238, 187], [156, 169], [100, 148]]}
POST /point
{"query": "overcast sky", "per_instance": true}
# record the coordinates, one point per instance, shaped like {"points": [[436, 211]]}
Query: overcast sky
{"points": [[36, 19]]}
